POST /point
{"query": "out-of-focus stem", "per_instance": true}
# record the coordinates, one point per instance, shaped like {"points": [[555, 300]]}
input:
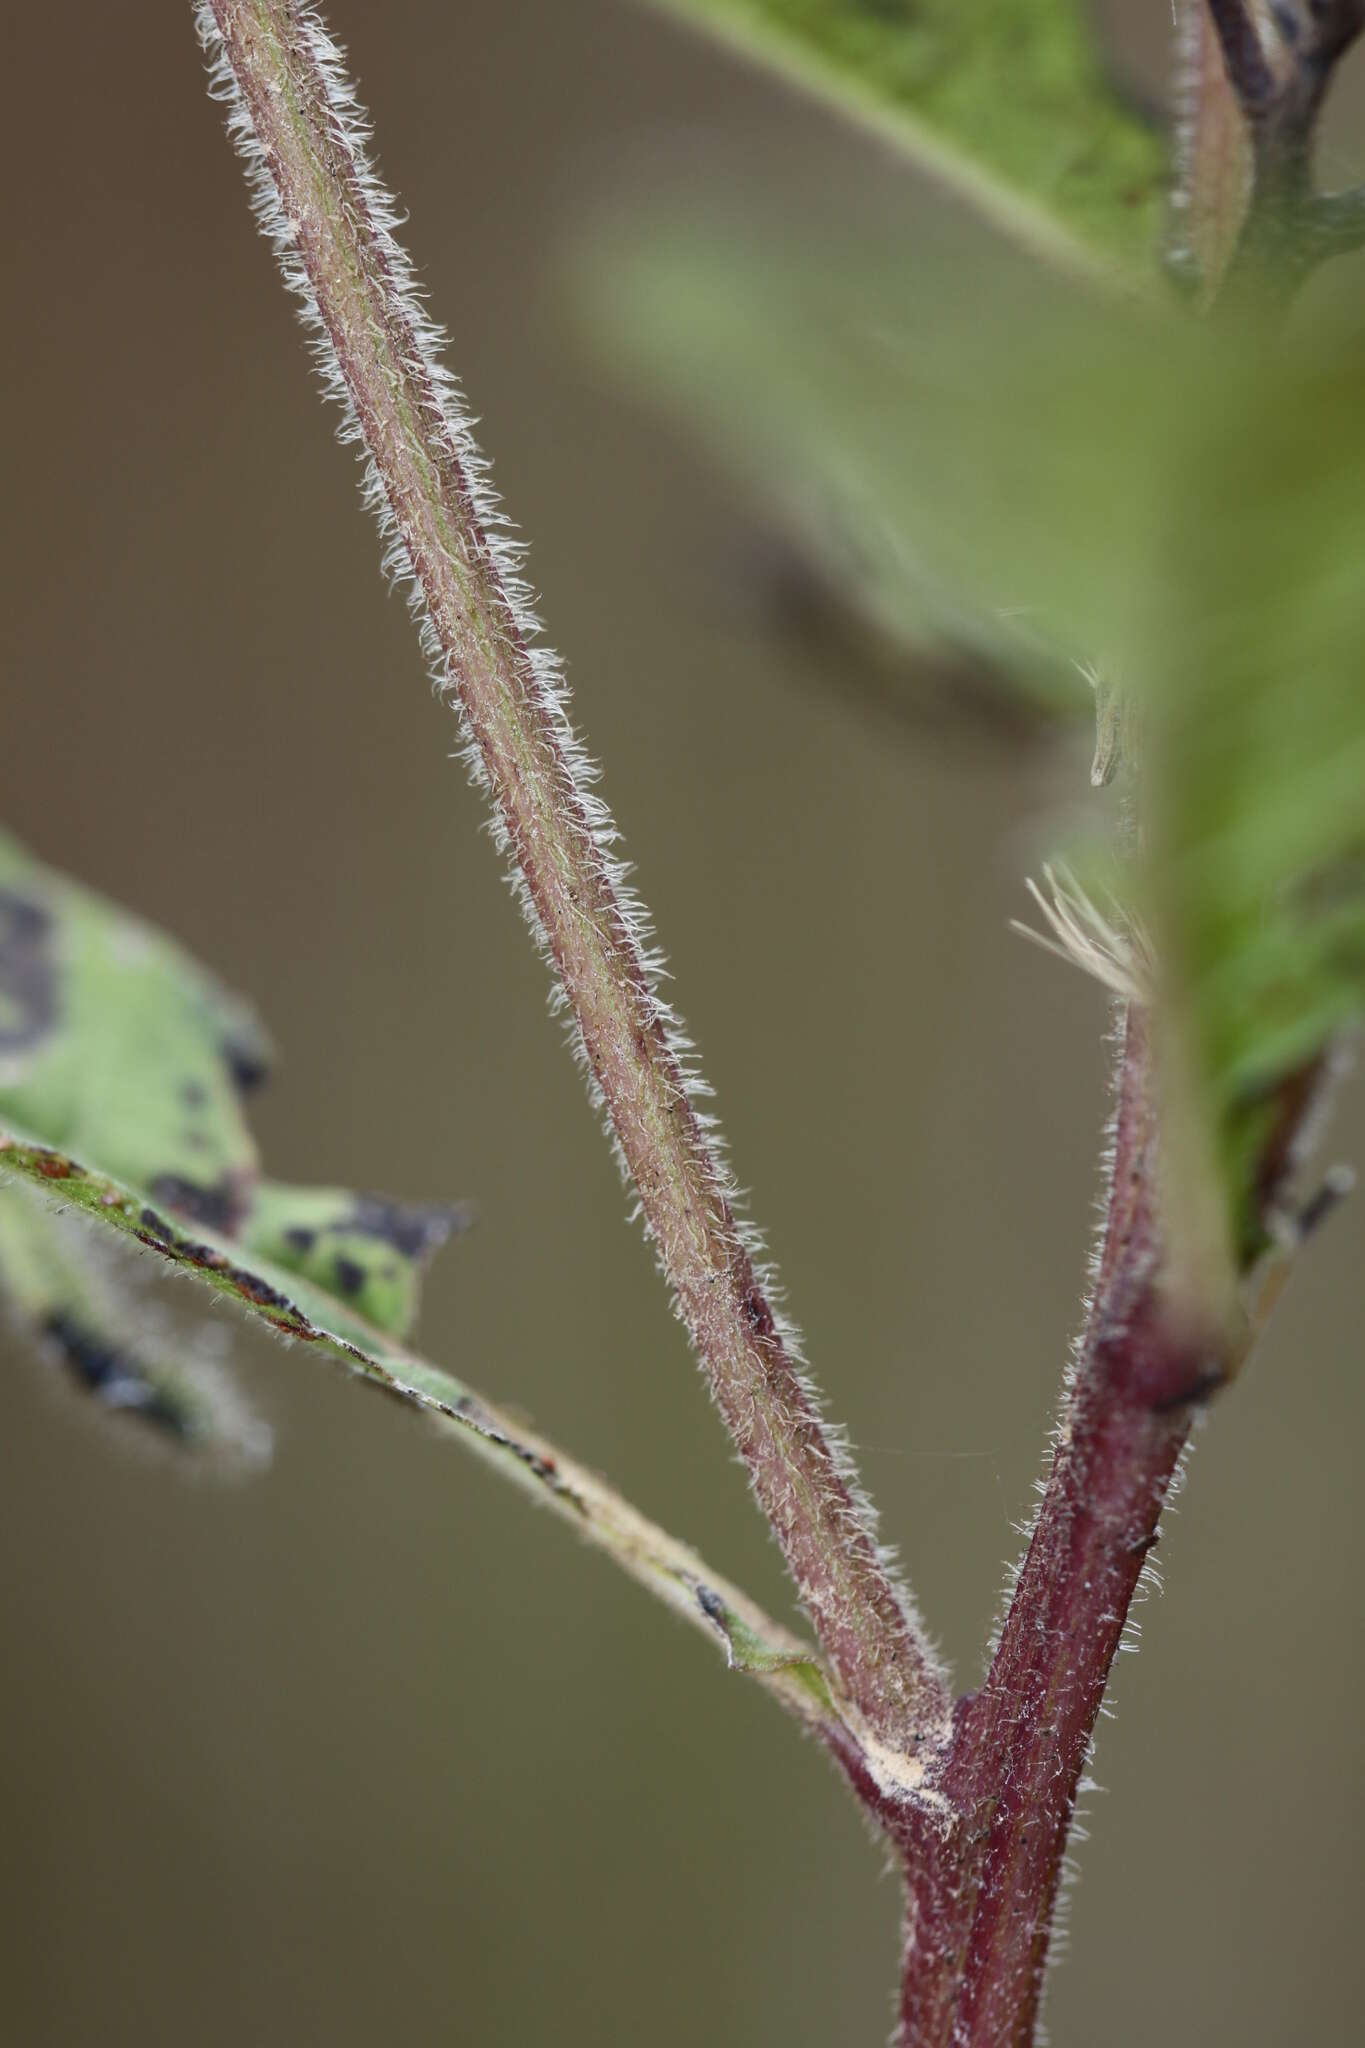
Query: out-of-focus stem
{"points": [[1278, 63]]}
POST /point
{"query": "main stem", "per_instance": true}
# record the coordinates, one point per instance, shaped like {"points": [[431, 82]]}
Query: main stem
{"points": [[296, 122], [982, 1895], [982, 1875]]}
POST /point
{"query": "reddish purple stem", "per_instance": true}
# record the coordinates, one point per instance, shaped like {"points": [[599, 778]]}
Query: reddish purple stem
{"points": [[982, 1876]]}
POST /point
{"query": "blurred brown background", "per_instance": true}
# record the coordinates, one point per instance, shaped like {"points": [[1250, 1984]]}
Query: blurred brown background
{"points": [[364, 1750]]}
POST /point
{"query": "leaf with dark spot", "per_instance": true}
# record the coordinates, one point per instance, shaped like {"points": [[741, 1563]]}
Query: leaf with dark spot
{"points": [[117, 1046], [86, 1323], [366, 1249]]}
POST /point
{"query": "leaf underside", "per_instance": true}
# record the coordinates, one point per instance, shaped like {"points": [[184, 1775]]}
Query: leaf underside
{"points": [[1008, 101]]}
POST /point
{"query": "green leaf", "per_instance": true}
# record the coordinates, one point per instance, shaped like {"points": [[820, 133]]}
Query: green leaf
{"points": [[1177, 507], [851, 400], [74, 1306], [751, 1652], [1007, 101], [110, 1035], [363, 1249], [1194, 508], [114, 1042], [1258, 753]]}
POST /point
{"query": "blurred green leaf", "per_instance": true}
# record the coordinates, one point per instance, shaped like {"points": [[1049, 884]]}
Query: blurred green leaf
{"points": [[1007, 101], [112, 1039], [1179, 506], [1257, 878], [116, 1044], [71, 1301], [851, 401]]}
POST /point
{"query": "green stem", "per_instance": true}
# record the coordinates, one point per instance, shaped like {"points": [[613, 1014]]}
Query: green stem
{"points": [[670, 1570], [294, 117]]}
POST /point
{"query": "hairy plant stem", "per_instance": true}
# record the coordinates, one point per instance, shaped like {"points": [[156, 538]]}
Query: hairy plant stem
{"points": [[1212, 186], [979, 1802], [1250, 219], [982, 1887], [297, 122], [982, 1872]]}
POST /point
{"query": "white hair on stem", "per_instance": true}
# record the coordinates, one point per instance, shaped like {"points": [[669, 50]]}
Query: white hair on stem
{"points": [[896, 1658], [1059, 1431], [1108, 945]]}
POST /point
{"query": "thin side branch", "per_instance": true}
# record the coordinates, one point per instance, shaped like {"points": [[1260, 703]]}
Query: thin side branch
{"points": [[790, 1669], [294, 117]]}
